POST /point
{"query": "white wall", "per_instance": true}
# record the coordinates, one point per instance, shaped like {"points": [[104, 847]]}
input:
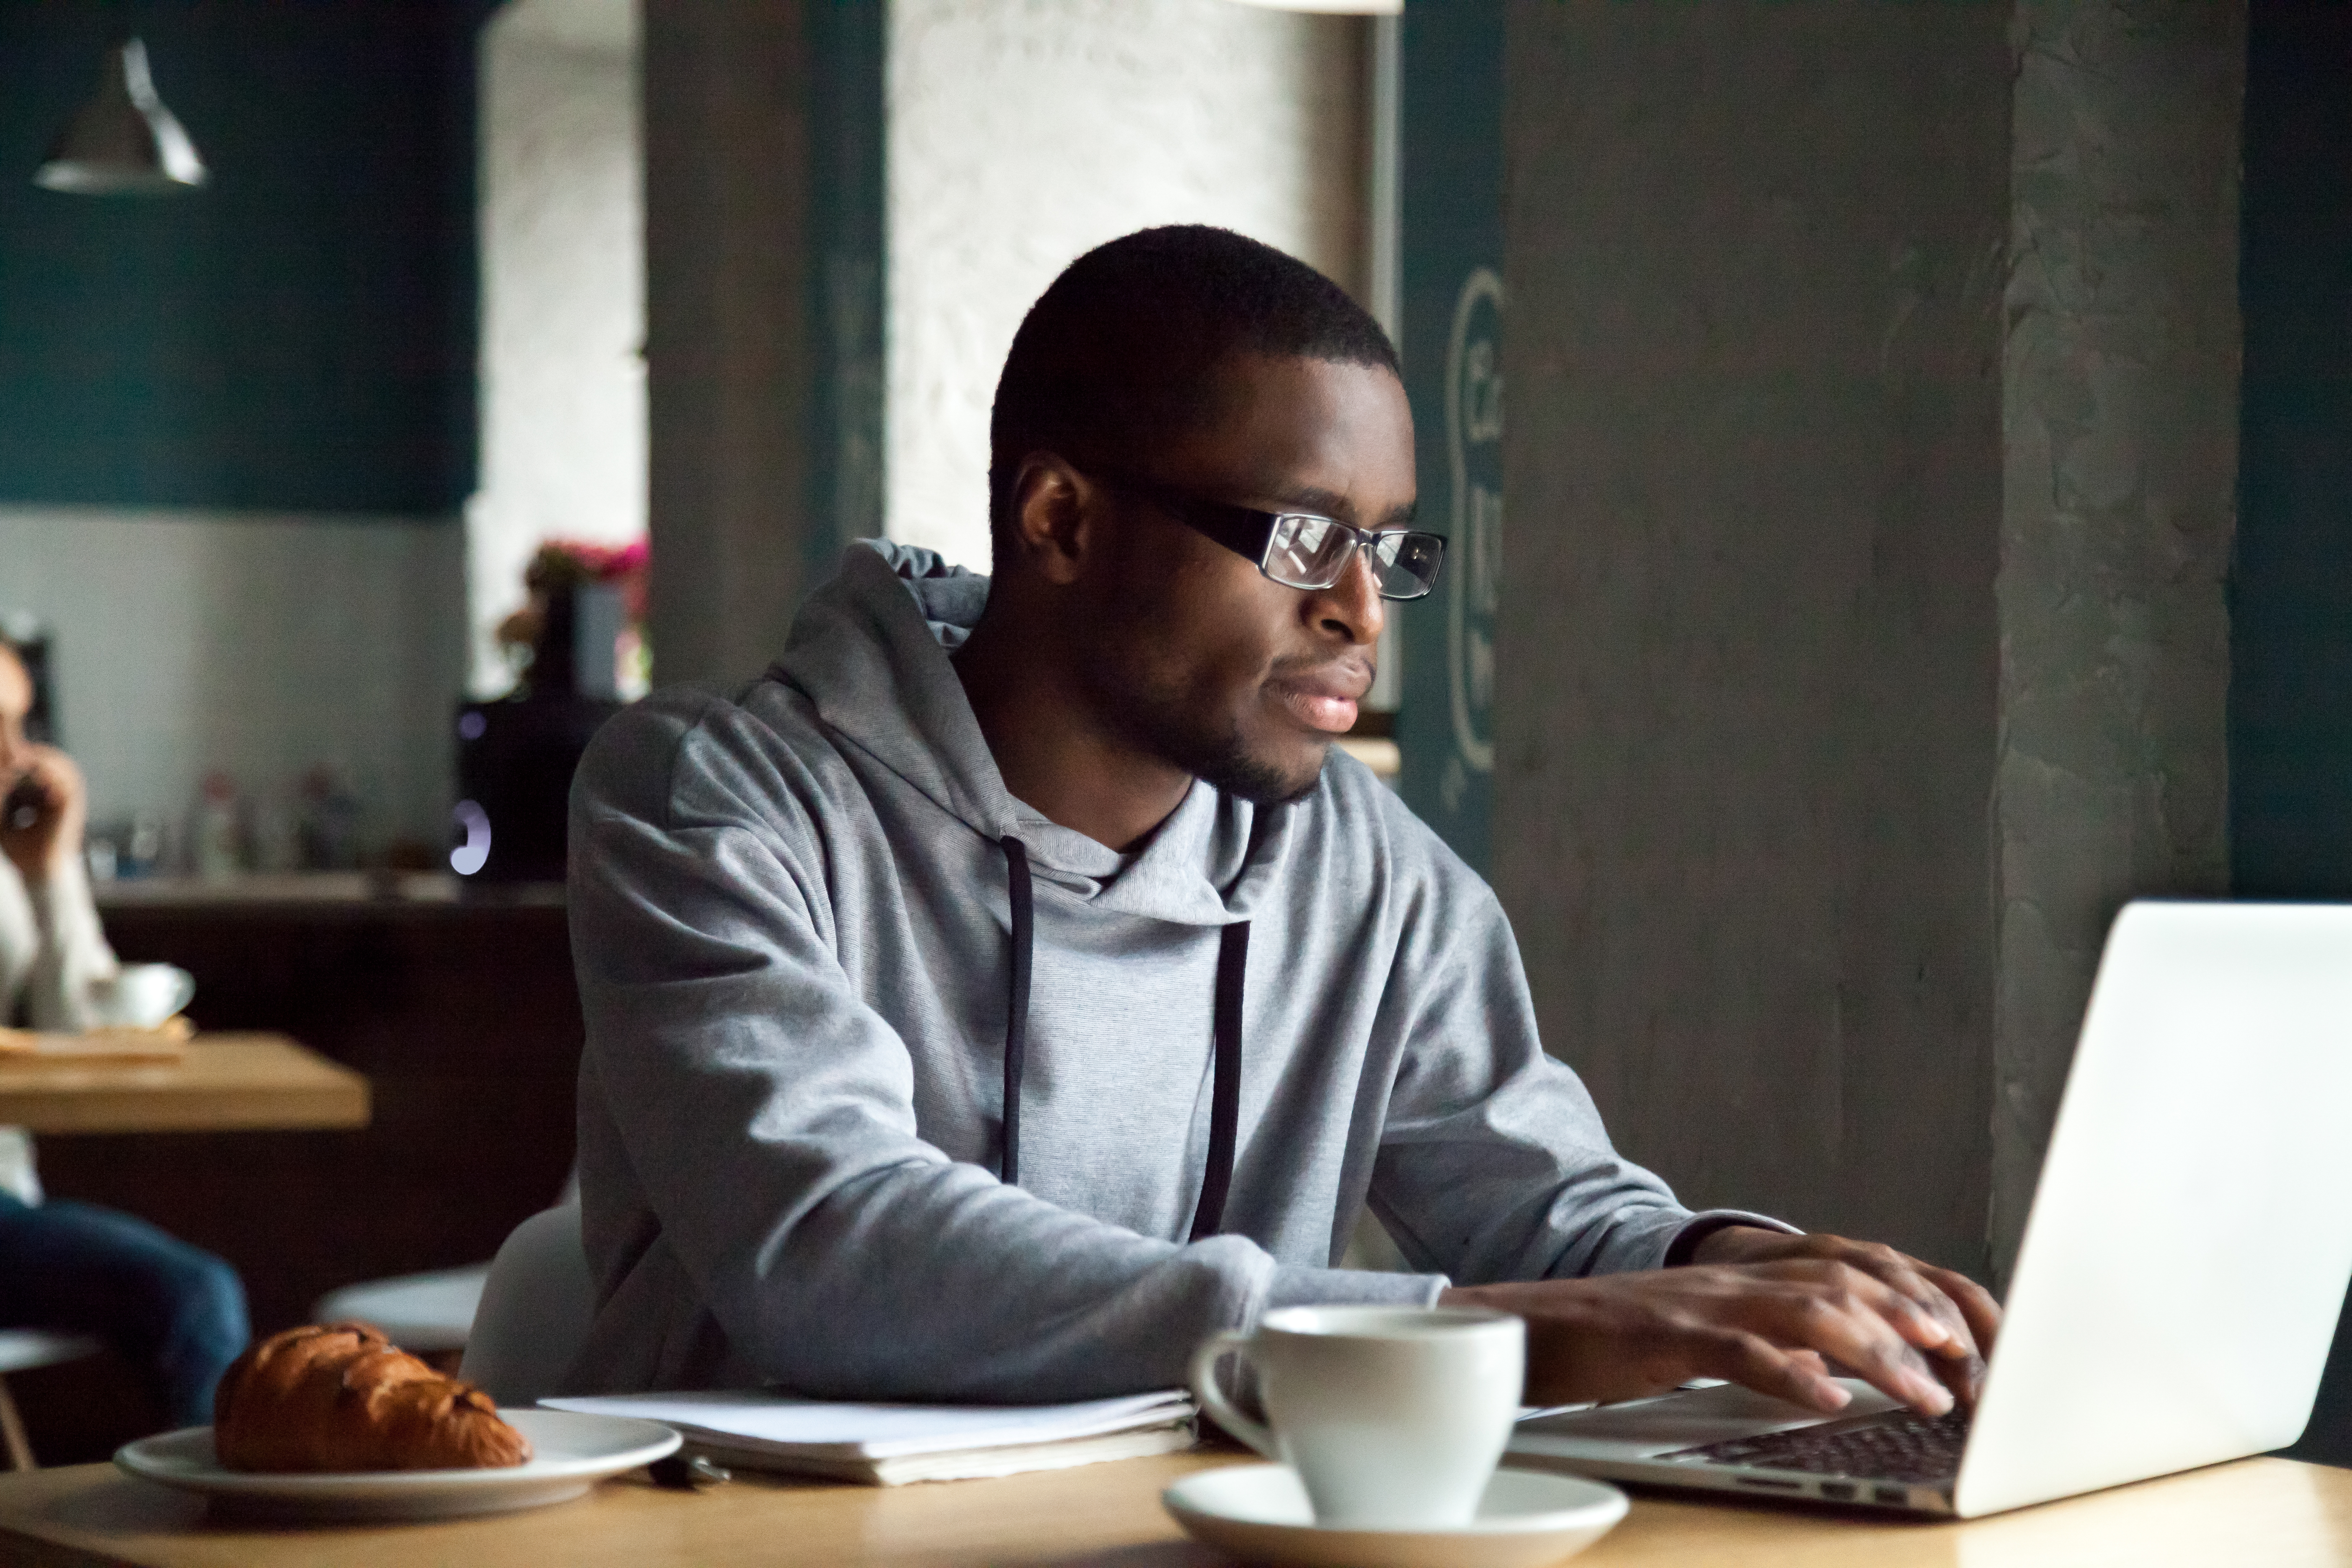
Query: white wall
{"points": [[1023, 132], [563, 386], [261, 645]]}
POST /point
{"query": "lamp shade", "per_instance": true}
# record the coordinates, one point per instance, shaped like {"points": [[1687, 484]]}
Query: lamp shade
{"points": [[124, 142]]}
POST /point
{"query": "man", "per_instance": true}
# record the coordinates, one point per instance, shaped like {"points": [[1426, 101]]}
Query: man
{"points": [[1010, 988], [177, 1313]]}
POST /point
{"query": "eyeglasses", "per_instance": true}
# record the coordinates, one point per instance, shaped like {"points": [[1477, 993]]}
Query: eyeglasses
{"points": [[1303, 549]]}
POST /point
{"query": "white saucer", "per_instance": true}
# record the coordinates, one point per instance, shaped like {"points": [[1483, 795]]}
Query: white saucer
{"points": [[1260, 1514], [569, 1454]]}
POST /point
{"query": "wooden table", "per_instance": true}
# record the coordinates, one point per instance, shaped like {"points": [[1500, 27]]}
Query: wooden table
{"points": [[2273, 1512], [458, 1008], [229, 1082]]}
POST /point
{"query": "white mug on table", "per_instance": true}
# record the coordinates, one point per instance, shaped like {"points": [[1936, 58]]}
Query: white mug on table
{"points": [[140, 995], [1394, 1417]]}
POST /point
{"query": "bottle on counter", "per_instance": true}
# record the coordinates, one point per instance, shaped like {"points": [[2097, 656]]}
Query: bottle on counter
{"points": [[330, 820], [218, 838]]}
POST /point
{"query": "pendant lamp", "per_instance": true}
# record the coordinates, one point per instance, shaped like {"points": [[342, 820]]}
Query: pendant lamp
{"points": [[124, 142]]}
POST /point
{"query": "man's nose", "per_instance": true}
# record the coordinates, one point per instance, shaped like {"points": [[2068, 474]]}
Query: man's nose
{"points": [[1352, 607]]}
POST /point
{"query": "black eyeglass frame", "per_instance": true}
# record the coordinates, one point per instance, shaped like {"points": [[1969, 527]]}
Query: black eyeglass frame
{"points": [[1249, 532]]}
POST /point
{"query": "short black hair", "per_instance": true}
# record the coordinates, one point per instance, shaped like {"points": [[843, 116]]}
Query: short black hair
{"points": [[1124, 347]]}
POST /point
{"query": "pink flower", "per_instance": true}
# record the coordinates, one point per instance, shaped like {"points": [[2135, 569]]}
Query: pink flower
{"points": [[566, 563]]}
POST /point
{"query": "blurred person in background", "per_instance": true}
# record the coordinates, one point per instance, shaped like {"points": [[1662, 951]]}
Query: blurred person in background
{"points": [[177, 1312]]}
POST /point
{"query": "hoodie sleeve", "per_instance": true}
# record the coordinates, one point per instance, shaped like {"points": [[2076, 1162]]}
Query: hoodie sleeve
{"points": [[1494, 1164], [765, 1115]]}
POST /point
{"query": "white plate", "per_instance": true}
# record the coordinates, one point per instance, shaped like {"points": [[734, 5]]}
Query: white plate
{"points": [[569, 1454], [1260, 1514]]}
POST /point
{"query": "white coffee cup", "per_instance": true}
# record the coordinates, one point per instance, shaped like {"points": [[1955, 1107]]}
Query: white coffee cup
{"points": [[1394, 1417], [140, 995]]}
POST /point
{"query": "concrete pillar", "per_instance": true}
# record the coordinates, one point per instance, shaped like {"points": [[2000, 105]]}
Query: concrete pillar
{"points": [[1781, 640], [763, 314], [2120, 381]]}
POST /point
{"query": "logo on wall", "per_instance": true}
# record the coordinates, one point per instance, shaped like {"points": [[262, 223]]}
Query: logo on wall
{"points": [[1474, 451]]}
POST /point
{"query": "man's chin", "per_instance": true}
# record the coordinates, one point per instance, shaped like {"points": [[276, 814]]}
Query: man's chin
{"points": [[1268, 775], [1272, 766]]}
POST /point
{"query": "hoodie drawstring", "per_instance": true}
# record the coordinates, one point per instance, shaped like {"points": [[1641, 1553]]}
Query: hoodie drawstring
{"points": [[1225, 1066], [1224, 1081], [1016, 1014]]}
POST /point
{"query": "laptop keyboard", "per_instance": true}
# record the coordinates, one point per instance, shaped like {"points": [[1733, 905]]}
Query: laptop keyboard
{"points": [[1895, 1447]]}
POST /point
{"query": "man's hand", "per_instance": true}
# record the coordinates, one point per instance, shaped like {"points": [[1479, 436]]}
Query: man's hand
{"points": [[1964, 1307], [46, 810], [1776, 1320]]}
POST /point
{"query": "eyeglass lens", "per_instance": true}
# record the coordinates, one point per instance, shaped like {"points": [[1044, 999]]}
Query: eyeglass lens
{"points": [[1309, 551]]}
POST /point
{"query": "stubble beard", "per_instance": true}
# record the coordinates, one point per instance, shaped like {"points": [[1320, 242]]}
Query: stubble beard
{"points": [[1211, 748]]}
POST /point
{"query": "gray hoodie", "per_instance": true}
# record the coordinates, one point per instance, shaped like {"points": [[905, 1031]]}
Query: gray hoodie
{"points": [[791, 916]]}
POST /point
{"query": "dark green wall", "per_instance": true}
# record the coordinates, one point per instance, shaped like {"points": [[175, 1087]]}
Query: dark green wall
{"points": [[299, 335], [1450, 70], [847, 55], [2290, 689], [2291, 603]]}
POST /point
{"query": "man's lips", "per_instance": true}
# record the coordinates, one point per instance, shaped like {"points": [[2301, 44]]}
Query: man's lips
{"points": [[1324, 699]]}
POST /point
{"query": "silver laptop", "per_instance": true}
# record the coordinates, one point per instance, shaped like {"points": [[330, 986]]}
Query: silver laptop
{"points": [[2181, 1272]]}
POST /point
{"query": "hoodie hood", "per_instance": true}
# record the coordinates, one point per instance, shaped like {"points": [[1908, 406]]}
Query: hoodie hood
{"points": [[869, 649]]}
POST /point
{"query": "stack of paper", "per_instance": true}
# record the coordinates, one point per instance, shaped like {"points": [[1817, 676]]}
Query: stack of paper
{"points": [[885, 1444]]}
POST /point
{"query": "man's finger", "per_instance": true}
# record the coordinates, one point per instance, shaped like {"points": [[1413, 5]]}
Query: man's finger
{"points": [[1976, 1304], [1964, 1306], [1811, 1362], [1964, 1380], [1915, 1320], [1755, 1362], [1960, 1339], [1851, 1318], [1913, 1281]]}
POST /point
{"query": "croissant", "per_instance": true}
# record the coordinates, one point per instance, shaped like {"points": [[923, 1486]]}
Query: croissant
{"points": [[340, 1396]]}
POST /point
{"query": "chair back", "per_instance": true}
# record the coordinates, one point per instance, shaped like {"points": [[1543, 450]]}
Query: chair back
{"points": [[536, 1309], [22, 1350], [421, 1313]]}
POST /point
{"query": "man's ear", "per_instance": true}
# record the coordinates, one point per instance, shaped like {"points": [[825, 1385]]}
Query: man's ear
{"points": [[1054, 513]]}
